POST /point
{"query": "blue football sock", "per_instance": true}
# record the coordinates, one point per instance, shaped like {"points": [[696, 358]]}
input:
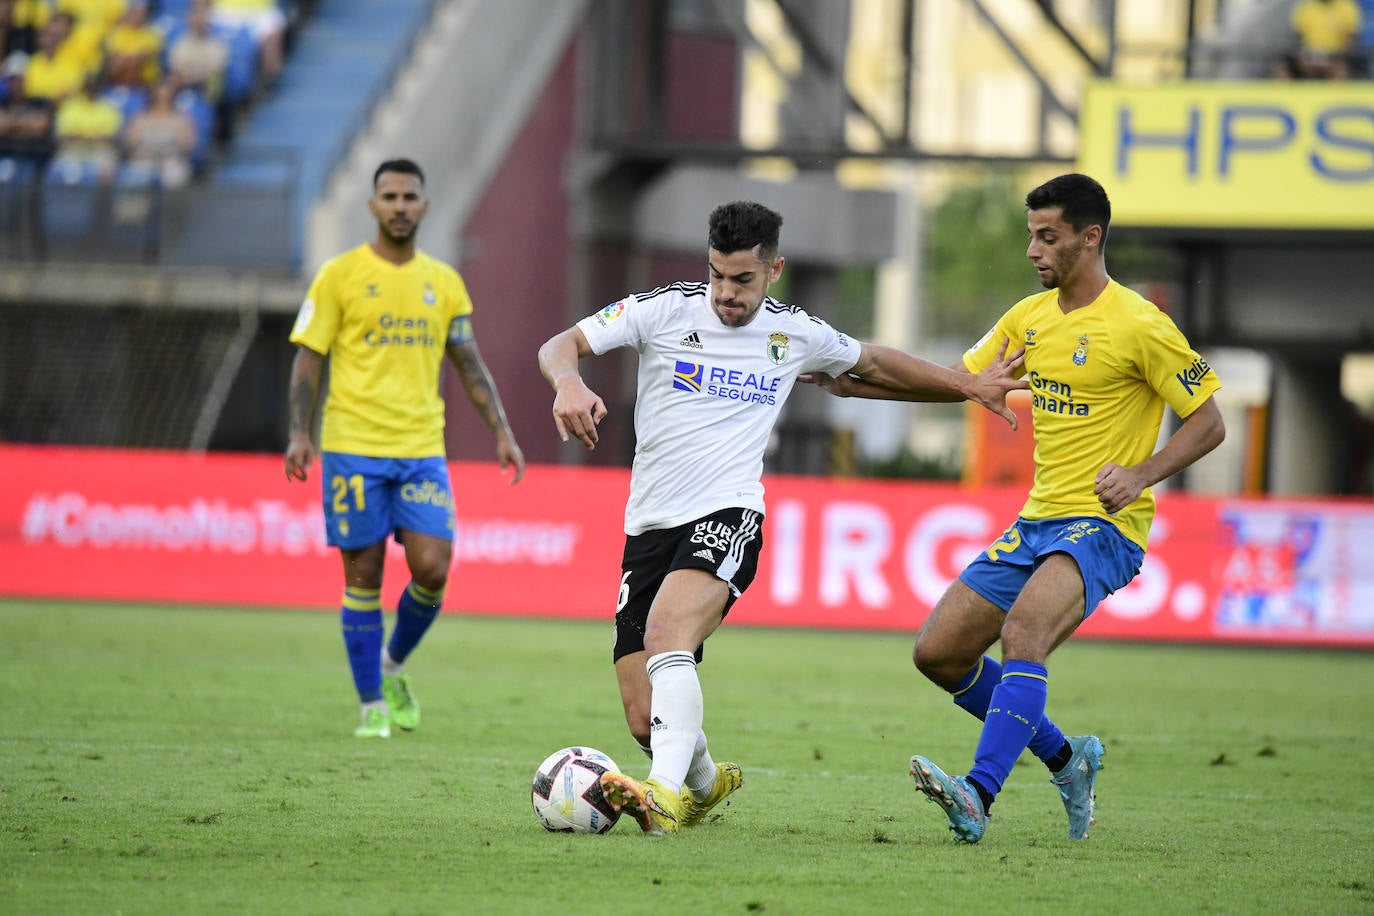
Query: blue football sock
{"points": [[414, 613], [1017, 703], [361, 619], [974, 693]]}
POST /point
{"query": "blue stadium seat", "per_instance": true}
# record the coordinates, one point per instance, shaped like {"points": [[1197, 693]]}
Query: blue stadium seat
{"points": [[71, 198], [253, 174], [203, 115], [15, 170], [241, 73], [175, 8], [16, 178], [130, 100]]}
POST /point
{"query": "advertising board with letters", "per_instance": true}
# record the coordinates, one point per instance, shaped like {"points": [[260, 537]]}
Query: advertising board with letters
{"points": [[229, 530], [1240, 155]]}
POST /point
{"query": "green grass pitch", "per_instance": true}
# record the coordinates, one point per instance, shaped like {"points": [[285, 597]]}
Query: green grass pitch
{"points": [[160, 760]]}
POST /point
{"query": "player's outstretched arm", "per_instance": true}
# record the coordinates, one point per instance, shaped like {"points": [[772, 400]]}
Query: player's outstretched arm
{"points": [[887, 373], [301, 396], [1118, 486], [577, 410], [481, 390]]}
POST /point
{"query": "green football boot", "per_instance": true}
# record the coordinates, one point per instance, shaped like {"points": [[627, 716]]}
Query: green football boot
{"points": [[400, 698]]}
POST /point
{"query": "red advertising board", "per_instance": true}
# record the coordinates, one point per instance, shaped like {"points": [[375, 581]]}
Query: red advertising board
{"points": [[230, 530]]}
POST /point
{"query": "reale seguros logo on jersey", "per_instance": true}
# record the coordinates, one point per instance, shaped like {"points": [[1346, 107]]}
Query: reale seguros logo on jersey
{"points": [[727, 384]]}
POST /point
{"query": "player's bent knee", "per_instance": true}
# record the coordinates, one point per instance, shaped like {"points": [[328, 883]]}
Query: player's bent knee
{"points": [[430, 576], [940, 667]]}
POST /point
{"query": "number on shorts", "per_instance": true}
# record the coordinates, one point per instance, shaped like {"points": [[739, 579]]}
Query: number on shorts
{"points": [[1011, 539], [341, 486]]}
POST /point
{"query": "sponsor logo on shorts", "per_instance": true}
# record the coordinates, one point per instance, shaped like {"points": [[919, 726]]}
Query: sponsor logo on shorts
{"points": [[427, 493], [1079, 530], [713, 535]]}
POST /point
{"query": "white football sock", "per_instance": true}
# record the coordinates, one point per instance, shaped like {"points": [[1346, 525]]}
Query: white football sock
{"points": [[675, 714], [701, 775], [647, 749], [389, 665]]}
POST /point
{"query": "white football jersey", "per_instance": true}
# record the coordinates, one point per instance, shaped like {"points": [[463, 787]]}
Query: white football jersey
{"points": [[708, 395]]}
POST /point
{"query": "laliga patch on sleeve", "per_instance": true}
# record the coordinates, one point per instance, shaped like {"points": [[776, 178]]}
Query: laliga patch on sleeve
{"points": [[610, 313], [303, 316]]}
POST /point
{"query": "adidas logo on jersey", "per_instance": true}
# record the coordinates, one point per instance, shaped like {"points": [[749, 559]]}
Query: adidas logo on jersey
{"points": [[693, 341], [705, 555]]}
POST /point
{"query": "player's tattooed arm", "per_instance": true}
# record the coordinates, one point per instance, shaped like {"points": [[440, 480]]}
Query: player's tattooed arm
{"points": [[481, 390], [302, 394]]}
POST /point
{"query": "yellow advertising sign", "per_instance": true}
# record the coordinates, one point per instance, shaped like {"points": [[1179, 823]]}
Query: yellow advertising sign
{"points": [[1236, 154]]}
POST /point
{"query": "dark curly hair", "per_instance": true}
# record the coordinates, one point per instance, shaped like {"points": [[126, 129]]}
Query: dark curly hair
{"points": [[742, 224]]}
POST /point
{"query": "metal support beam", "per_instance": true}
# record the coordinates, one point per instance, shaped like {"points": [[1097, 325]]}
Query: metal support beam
{"points": [[1047, 7], [812, 47], [1047, 92]]}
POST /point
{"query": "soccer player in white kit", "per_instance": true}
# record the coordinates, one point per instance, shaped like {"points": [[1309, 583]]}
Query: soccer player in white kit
{"points": [[717, 361]]}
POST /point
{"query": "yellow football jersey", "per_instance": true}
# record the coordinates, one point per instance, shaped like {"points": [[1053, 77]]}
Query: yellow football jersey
{"points": [[1100, 376], [385, 329]]}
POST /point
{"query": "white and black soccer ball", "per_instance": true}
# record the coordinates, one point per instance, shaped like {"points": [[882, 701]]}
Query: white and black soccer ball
{"points": [[566, 791]]}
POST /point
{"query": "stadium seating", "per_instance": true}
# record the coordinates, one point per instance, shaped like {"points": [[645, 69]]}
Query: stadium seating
{"points": [[17, 179], [71, 208], [278, 144], [341, 62]]}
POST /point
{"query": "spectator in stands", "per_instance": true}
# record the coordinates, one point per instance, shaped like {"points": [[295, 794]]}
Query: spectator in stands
{"points": [[48, 75], [26, 17], [162, 137], [1328, 39], [265, 20], [79, 44], [97, 14], [133, 50], [198, 58], [87, 130], [25, 123], [6, 28]]}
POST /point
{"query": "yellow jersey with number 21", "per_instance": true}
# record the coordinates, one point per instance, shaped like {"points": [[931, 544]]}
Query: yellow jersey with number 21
{"points": [[1100, 376], [385, 329]]}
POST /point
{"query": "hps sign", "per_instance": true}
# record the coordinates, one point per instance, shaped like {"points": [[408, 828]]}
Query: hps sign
{"points": [[1238, 155]]}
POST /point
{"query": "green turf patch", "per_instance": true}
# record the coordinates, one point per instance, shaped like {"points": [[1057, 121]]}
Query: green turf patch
{"points": [[159, 760]]}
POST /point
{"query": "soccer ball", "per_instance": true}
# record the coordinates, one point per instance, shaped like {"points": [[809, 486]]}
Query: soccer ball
{"points": [[566, 791]]}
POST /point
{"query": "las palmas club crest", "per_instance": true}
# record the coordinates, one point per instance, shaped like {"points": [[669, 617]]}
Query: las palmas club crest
{"points": [[777, 347]]}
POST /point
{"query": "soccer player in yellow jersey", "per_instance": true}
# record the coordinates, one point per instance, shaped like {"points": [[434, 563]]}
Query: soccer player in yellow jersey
{"points": [[1102, 363], [385, 313]]}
